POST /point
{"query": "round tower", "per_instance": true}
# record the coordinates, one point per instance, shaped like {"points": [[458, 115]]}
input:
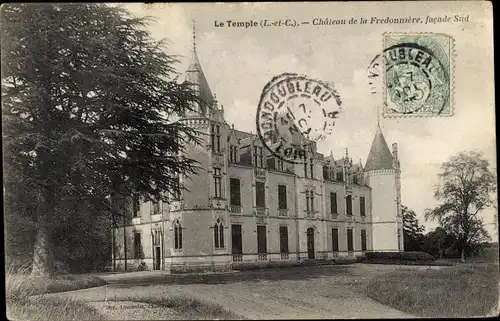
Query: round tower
{"points": [[382, 174]]}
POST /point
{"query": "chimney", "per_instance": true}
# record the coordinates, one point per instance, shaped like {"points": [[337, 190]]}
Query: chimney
{"points": [[395, 151]]}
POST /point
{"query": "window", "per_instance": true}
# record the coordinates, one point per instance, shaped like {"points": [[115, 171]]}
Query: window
{"points": [[217, 183], [340, 177], [349, 204], [311, 166], [219, 234], [137, 245], [234, 190], [135, 205], [350, 244], [333, 203], [305, 169], [283, 239], [156, 237], [363, 240], [233, 154], [258, 156], [177, 235], [156, 207], [212, 137], [362, 206], [281, 165], [260, 196], [355, 179], [236, 240], [325, 173], [307, 201], [261, 239], [282, 197], [176, 188], [335, 239], [215, 138]]}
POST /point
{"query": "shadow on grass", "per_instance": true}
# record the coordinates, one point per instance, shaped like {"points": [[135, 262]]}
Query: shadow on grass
{"points": [[253, 275]]}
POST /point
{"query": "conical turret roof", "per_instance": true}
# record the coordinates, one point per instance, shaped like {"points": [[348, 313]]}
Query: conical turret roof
{"points": [[380, 156], [195, 75]]}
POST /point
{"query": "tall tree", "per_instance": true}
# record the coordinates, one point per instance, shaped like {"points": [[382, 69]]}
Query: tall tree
{"points": [[413, 231], [465, 188], [89, 106]]}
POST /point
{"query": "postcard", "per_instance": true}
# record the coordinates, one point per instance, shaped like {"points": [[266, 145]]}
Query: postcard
{"points": [[250, 160]]}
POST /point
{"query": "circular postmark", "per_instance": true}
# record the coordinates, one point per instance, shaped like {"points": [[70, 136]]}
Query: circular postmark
{"points": [[295, 110], [417, 75]]}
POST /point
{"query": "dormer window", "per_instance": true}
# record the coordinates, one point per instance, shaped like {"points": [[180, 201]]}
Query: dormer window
{"points": [[258, 156], [215, 138], [326, 173], [233, 154], [280, 164]]}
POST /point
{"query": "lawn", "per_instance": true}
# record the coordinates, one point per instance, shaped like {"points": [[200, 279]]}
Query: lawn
{"points": [[459, 291], [26, 300], [173, 308], [20, 288]]}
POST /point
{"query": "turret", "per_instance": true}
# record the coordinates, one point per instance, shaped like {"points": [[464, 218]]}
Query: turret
{"points": [[382, 175], [196, 77]]}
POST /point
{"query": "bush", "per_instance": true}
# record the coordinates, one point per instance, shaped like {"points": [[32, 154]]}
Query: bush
{"points": [[398, 256], [346, 260]]}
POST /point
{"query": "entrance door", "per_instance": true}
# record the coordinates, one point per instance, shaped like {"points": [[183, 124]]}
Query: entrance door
{"points": [[157, 257], [237, 246], [310, 243]]}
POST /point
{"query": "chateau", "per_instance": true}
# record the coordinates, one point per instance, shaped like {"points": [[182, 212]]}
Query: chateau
{"points": [[246, 206]]}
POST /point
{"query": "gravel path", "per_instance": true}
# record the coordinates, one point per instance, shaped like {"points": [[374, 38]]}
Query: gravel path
{"points": [[313, 293]]}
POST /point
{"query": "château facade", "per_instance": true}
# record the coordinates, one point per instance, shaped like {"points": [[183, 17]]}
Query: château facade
{"points": [[246, 206]]}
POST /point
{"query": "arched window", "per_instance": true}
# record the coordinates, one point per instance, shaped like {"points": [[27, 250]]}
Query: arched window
{"points": [[177, 235], [219, 234]]}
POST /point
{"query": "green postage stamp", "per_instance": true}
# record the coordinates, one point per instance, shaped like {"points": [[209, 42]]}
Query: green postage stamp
{"points": [[418, 74]]}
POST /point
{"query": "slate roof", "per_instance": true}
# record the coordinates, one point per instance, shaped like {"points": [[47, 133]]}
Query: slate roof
{"points": [[195, 75], [380, 156]]}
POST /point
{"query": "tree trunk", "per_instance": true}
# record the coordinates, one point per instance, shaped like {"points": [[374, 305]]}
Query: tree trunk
{"points": [[43, 264], [462, 255], [42, 254]]}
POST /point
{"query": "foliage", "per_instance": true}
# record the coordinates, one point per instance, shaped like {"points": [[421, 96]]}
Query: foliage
{"points": [[439, 243], [466, 184], [413, 231], [89, 107]]}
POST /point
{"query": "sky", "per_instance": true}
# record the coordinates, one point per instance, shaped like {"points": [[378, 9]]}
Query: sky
{"points": [[238, 62]]}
